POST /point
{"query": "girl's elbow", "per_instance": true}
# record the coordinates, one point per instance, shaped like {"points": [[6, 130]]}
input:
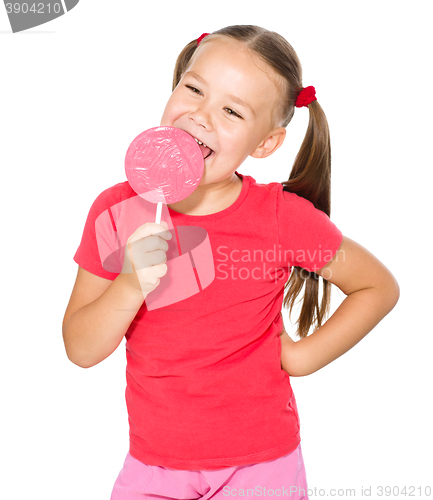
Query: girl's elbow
{"points": [[387, 290], [77, 362], [392, 292], [396, 292]]}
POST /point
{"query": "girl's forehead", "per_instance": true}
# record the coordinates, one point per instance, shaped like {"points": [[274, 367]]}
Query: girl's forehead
{"points": [[229, 51], [219, 45]]}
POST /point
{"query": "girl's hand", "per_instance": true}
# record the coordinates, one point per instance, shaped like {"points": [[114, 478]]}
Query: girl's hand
{"points": [[286, 343], [145, 257]]}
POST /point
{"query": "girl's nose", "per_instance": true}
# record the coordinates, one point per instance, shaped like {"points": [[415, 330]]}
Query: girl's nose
{"points": [[201, 117]]}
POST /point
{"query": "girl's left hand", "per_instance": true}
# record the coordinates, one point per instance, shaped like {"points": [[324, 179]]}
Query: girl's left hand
{"points": [[286, 342]]}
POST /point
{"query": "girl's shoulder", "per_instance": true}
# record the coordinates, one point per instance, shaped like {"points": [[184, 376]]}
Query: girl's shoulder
{"points": [[283, 196], [112, 196], [119, 191], [294, 211]]}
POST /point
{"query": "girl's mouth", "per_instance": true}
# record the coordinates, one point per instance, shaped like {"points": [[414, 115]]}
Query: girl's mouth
{"points": [[206, 151]]}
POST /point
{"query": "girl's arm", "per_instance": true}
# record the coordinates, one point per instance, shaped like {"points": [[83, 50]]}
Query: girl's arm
{"points": [[372, 292], [97, 317], [100, 311]]}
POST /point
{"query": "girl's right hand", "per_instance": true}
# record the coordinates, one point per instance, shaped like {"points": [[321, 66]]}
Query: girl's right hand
{"points": [[145, 257]]}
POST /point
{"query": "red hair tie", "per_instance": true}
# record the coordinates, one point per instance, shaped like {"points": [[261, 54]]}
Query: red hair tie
{"points": [[200, 38], [305, 97]]}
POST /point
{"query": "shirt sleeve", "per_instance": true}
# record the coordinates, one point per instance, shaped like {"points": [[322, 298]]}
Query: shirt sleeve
{"points": [[98, 251], [308, 238]]}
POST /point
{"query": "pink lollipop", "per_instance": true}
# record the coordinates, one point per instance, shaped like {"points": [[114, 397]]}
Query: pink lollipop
{"points": [[164, 165]]}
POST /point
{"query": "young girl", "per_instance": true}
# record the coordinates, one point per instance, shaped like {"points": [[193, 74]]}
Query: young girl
{"points": [[210, 406]]}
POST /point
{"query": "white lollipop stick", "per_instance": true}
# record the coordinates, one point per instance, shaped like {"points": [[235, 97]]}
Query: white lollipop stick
{"points": [[158, 212]]}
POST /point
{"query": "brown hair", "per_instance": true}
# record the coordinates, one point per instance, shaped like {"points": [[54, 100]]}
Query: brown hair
{"points": [[311, 172]]}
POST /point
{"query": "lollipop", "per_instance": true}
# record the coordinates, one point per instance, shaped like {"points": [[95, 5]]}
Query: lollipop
{"points": [[164, 165]]}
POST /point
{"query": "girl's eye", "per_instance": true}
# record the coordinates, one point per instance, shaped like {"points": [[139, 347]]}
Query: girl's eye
{"points": [[233, 113], [192, 88]]}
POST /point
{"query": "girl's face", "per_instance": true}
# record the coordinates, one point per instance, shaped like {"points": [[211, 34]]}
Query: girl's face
{"points": [[226, 99]]}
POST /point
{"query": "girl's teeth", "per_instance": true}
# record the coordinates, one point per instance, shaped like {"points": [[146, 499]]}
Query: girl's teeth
{"points": [[199, 142]]}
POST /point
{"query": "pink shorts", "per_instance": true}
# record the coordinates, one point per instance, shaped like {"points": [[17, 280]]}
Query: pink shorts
{"points": [[283, 477]]}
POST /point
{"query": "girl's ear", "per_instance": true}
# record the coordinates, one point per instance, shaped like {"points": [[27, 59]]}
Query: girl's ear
{"points": [[270, 144]]}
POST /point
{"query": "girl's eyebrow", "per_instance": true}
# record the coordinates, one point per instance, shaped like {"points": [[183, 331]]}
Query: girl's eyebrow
{"points": [[235, 99]]}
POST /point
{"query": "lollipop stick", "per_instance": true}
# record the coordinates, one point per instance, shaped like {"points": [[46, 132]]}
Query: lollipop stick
{"points": [[158, 213]]}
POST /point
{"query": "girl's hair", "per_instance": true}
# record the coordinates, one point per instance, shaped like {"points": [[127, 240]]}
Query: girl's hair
{"points": [[311, 172]]}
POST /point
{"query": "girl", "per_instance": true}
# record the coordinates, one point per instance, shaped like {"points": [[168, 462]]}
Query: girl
{"points": [[210, 406]]}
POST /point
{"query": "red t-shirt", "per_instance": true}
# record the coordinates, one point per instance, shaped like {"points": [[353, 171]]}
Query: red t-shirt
{"points": [[205, 388]]}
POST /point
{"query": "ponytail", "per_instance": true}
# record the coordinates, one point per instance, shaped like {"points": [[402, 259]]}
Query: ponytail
{"points": [[311, 178]]}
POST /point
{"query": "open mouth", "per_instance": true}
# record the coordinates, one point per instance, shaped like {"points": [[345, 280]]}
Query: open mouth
{"points": [[206, 151]]}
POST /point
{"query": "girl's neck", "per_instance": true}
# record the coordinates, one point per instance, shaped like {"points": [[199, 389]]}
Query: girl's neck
{"points": [[211, 198]]}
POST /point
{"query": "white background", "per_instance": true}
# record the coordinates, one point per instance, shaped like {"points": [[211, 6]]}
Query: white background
{"points": [[76, 91]]}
